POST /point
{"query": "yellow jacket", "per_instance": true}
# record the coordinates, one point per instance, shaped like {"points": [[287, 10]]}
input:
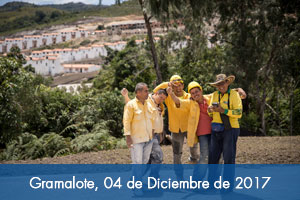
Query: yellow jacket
{"points": [[138, 120], [236, 107], [177, 117], [193, 118]]}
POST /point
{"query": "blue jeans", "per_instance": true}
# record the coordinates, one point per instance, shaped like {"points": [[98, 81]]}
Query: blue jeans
{"points": [[224, 142], [204, 141], [200, 170], [140, 152]]}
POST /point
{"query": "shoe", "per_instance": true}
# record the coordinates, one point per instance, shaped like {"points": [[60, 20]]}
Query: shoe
{"points": [[169, 137], [192, 161]]}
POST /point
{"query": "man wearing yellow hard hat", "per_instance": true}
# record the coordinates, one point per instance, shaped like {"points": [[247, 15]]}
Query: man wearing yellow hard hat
{"points": [[178, 122], [199, 121]]}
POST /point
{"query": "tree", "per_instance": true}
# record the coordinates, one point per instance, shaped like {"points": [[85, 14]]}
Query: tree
{"points": [[257, 38], [39, 16], [118, 2], [100, 27], [15, 53], [125, 68], [55, 14], [151, 42], [14, 82]]}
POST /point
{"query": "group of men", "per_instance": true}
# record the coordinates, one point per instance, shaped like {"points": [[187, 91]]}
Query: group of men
{"points": [[210, 120]]}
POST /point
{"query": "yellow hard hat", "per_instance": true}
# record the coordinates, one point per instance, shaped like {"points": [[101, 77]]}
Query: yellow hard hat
{"points": [[192, 85], [176, 78]]}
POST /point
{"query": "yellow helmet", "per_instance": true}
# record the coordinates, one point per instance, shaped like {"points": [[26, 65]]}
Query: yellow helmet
{"points": [[192, 85], [176, 78]]}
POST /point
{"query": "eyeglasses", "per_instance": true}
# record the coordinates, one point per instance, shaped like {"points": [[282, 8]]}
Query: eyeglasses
{"points": [[178, 81]]}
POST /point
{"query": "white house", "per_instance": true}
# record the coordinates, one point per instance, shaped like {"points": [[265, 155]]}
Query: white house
{"points": [[100, 33], [50, 61], [80, 68], [35, 41], [47, 65]]}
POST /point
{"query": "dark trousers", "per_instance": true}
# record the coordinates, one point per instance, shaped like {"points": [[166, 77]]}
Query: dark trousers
{"points": [[223, 142]]}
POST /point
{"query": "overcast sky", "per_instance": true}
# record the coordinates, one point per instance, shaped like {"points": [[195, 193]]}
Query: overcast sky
{"points": [[104, 2]]}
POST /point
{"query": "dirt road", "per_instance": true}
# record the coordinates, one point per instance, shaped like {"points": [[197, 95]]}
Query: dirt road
{"points": [[250, 150]]}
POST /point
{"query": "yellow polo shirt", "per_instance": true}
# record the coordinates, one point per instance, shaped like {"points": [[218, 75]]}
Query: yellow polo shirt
{"points": [[138, 120], [178, 118], [235, 110]]}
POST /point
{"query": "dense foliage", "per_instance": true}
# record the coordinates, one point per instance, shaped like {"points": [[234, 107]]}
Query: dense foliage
{"points": [[38, 121], [257, 41]]}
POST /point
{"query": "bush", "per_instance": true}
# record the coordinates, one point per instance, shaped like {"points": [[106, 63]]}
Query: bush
{"points": [[85, 42], [54, 145], [100, 27], [110, 105], [250, 122], [28, 146], [91, 142]]}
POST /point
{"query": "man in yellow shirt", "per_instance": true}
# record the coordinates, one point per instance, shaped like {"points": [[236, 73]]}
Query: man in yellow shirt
{"points": [[178, 122], [138, 121], [226, 108], [156, 100]]}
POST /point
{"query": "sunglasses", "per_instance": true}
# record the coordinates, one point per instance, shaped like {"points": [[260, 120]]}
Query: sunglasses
{"points": [[178, 81]]}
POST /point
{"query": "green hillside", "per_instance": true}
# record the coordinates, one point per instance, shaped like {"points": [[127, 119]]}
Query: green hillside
{"points": [[15, 5], [29, 17], [72, 7], [24, 16]]}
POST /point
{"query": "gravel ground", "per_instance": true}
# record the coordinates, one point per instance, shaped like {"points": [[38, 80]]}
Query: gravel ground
{"points": [[250, 150]]}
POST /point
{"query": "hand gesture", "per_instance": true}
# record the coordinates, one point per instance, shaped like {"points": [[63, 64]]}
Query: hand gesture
{"points": [[124, 92], [169, 90]]}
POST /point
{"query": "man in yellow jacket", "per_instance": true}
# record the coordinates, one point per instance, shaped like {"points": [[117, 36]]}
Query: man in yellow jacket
{"points": [[226, 108], [199, 121], [178, 122]]}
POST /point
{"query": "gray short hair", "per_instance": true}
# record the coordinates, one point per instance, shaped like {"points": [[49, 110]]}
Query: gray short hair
{"points": [[139, 87]]}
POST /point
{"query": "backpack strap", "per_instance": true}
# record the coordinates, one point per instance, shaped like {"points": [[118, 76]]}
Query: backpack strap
{"points": [[228, 102]]}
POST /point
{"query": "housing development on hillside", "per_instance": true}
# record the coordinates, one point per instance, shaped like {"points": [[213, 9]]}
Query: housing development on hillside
{"points": [[50, 61], [58, 61], [36, 41]]}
